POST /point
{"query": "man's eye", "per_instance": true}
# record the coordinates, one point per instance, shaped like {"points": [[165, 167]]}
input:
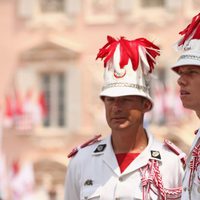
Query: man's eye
{"points": [[109, 99], [190, 72], [193, 72], [127, 99], [131, 98]]}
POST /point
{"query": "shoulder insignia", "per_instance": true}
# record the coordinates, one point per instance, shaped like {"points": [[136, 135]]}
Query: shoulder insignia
{"points": [[89, 142], [176, 150], [155, 154], [100, 148]]}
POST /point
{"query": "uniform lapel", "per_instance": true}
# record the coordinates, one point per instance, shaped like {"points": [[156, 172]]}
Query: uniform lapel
{"points": [[197, 138], [143, 158], [109, 157], [139, 162], [187, 171], [110, 160]]}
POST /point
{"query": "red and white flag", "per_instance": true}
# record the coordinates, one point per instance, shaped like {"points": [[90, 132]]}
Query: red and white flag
{"points": [[8, 112], [22, 181]]}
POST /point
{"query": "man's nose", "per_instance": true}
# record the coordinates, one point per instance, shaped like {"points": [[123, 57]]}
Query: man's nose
{"points": [[117, 106], [182, 80]]}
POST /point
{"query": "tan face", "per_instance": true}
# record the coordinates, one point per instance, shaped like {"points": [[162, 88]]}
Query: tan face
{"points": [[126, 111], [189, 82]]}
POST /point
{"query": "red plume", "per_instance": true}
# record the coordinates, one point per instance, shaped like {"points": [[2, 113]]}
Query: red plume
{"points": [[107, 51], [151, 51], [192, 31], [129, 50]]}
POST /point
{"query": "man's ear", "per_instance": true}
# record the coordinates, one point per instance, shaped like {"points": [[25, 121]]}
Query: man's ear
{"points": [[147, 105]]}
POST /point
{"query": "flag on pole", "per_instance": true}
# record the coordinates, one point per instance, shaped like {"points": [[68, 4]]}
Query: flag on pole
{"points": [[8, 113], [22, 181]]}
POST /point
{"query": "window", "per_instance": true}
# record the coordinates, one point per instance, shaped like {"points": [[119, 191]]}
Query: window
{"points": [[99, 11], [153, 3], [52, 6], [52, 13], [53, 85]]}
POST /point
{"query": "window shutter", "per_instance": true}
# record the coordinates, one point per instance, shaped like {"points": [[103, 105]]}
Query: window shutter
{"points": [[73, 99], [72, 7], [25, 8]]}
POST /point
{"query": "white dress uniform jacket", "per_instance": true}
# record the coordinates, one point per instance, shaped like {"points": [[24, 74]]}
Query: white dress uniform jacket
{"points": [[191, 180], [94, 173]]}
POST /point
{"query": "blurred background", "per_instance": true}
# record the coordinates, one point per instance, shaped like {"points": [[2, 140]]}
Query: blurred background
{"points": [[50, 82]]}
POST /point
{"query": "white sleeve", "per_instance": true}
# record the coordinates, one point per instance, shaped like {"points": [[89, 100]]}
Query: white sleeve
{"points": [[72, 190]]}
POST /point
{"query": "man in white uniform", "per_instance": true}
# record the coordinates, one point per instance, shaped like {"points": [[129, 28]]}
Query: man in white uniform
{"points": [[129, 164], [188, 68]]}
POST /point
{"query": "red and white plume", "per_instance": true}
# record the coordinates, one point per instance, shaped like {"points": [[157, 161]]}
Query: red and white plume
{"points": [[138, 51], [191, 32]]}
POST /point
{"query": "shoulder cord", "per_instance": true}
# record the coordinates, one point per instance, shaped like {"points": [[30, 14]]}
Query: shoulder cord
{"points": [[155, 177], [195, 161], [152, 177], [146, 181]]}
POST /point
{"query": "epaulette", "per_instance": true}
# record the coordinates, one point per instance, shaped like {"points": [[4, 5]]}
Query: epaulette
{"points": [[89, 142], [176, 150]]}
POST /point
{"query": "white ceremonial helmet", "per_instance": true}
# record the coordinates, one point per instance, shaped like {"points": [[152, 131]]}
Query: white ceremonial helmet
{"points": [[128, 67], [189, 44]]}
